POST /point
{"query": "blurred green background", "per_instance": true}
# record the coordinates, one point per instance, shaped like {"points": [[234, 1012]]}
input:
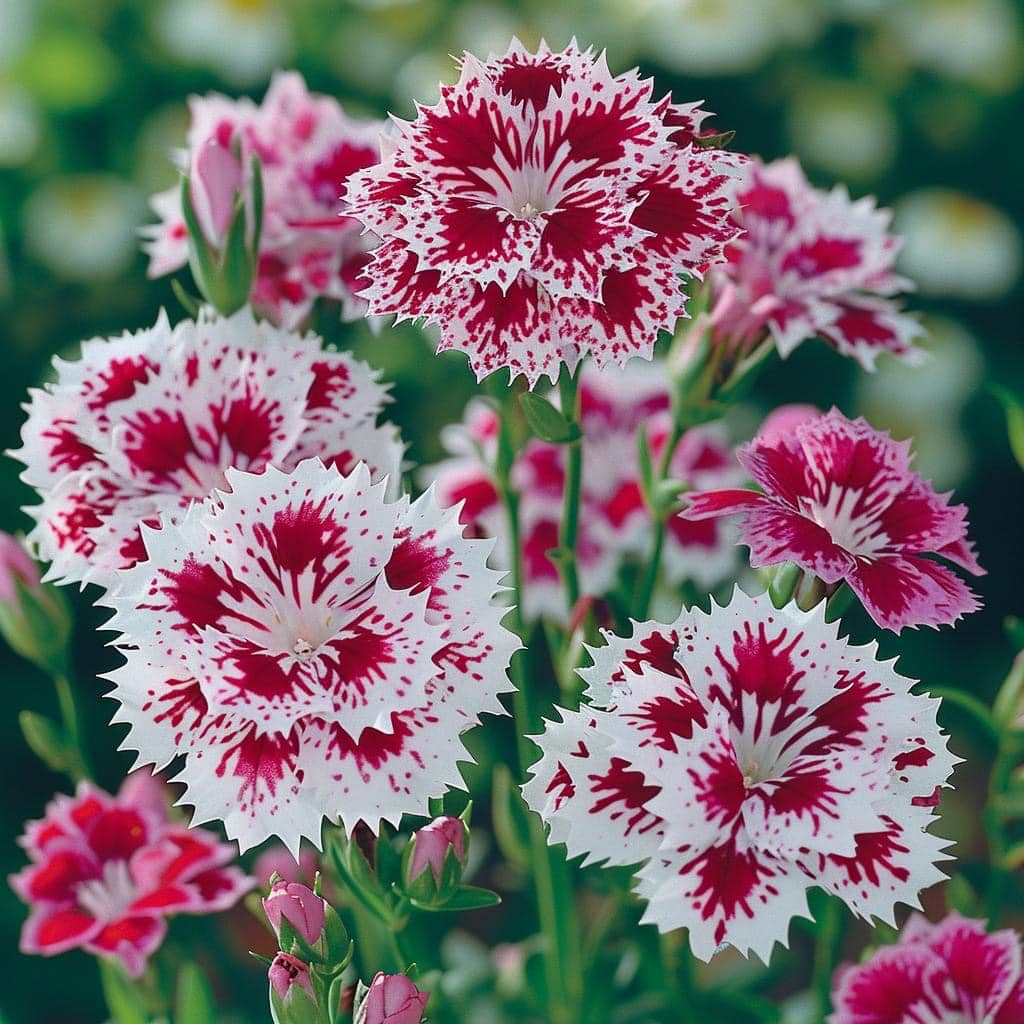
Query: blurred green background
{"points": [[918, 101]]}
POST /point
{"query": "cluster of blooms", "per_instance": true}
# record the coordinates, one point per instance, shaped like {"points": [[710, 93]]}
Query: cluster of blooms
{"points": [[953, 971], [107, 870], [841, 501], [314, 649], [542, 209], [143, 425], [307, 147], [810, 263], [744, 757], [615, 524]]}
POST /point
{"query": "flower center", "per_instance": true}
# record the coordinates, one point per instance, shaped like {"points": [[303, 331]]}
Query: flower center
{"points": [[849, 518], [302, 649], [107, 898]]}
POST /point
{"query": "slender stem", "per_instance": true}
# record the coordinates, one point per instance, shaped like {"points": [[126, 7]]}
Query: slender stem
{"points": [[568, 385], [78, 768], [826, 948], [1007, 754]]}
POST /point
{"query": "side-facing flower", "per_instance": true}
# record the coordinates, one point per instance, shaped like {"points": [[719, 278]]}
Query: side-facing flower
{"points": [[810, 263], [307, 147], [107, 870], [744, 756], [542, 209], [144, 424], [842, 502], [391, 999], [954, 971], [313, 650]]}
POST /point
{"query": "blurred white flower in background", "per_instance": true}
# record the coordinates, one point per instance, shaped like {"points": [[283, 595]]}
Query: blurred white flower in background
{"points": [[82, 227], [957, 245], [242, 40], [17, 23], [19, 126]]}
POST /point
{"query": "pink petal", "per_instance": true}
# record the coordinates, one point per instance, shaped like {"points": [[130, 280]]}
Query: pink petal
{"points": [[710, 504], [51, 930], [894, 986], [131, 940]]}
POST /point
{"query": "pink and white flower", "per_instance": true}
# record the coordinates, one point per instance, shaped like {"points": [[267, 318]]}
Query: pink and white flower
{"points": [[954, 972], [742, 757], [542, 209], [313, 650], [307, 147], [811, 263], [841, 501], [107, 870], [615, 523], [145, 424]]}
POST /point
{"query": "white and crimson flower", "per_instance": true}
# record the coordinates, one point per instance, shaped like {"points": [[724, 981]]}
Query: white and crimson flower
{"points": [[144, 424], [744, 757], [841, 501], [542, 209], [107, 870], [953, 972], [313, 650], [307, 147], [810, 264], [614, 521]]}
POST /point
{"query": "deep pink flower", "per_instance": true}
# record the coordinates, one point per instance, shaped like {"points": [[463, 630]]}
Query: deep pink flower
{"points": [[313, 649], [288, 971], [307, 146], [392, 999], [810, 263], [615, 525], [16, 564], [432, 843], [299, 906], [842, 502], [542, 209], [106, 871], [953, 972], [746, 756], [144, 424]]}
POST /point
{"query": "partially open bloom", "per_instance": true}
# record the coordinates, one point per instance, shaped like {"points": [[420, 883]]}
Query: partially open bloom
{"points": [[614, 520], [542, 209], [392, 999], [313, 649], [809, 264], [432, 843], [954, 972], [744, 756], [107, 870], [841, 501], [144, 424], [307, 147]]}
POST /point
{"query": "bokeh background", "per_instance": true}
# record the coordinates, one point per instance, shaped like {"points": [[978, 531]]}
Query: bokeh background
{"points": [[919, 102]]}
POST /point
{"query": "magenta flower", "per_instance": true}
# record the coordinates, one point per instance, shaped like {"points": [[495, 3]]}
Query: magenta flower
{"points": [[308, 147], [744, 757], [392, 999], [299, 906], [811, 263], [842, 502], [144, 424], [952, 972], [432, 843], [313, 649], [107, 870], [543, 209]]}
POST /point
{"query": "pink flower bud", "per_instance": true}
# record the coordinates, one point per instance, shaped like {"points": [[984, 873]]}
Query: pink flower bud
{"points": [[393, 999], [287, 971], [216, 179], [15, 564], [432, 843], [781, 422], [299, 906]]}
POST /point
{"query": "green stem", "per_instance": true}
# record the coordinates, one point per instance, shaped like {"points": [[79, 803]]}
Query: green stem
{"points": [[826, 949], [1007, 755], [78, 767], [568, 386]]}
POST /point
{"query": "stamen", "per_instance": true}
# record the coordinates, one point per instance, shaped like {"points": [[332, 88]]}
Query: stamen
{"points": [[302, 649]]}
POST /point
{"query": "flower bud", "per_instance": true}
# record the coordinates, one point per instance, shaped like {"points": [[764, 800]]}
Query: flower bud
{"points": [[431, 845], [391, 999], [216, 182], [292, 999], [299, 906]]}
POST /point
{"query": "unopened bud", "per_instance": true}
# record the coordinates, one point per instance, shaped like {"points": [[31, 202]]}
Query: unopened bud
{"points": [[299, 906], [292, 999], [391, 999], [216, 182]]}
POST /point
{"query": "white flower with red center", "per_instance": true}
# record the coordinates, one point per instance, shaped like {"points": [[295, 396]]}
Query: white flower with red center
{"points": [[307, 147], [311, 648], [542, 209], [107, 870], [811, 264], [842, 502], [743, 757], [953, 972], [144, 424], [615, 523]]}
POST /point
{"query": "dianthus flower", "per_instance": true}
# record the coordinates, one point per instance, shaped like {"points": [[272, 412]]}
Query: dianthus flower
{"points": [[614, 521], [311, 648], [542, 209], [810, 264], [745, 756], [841, 501], [144, 424], [307, 147], [954, 972], [107, 870]]}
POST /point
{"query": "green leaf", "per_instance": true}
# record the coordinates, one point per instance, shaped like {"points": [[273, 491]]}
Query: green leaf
{"points": [[718, 140], [1014, 409], [784, 583], [547, 422], [469, 897], [190, 303], [509, 818], [45, 740], [643, 451], [124, 1001], [194, 998], [1008, 703], [961, 897]]}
